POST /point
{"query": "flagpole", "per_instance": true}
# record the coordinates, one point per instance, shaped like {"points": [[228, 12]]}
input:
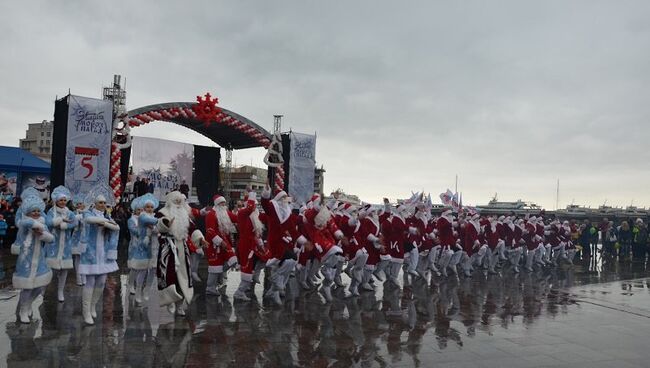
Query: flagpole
{"points": [[456, 190]]}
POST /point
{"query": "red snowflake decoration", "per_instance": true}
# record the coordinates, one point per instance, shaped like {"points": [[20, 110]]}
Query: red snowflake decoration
{"points": [[206, 109]]}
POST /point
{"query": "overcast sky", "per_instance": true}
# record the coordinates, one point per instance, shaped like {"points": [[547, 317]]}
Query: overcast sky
{"points": [[509, 95]]}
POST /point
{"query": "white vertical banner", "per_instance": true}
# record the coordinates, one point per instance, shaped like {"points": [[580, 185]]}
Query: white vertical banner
{"points": [[88, 147], [302, 161], [165, 163]]}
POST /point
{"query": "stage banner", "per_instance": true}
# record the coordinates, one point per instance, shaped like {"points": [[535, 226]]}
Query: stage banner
{"points": [[88, 148], [8, 183], [165, 163], [302, 160]]}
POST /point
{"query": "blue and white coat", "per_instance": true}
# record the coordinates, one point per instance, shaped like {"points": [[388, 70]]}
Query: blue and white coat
{"points": [[59, 252], [31, 269], [78, 234], [149, 239], [99, 247], [136, 260]]}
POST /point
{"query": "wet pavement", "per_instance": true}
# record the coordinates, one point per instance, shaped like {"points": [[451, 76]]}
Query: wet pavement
{"points": [[592, 315]]}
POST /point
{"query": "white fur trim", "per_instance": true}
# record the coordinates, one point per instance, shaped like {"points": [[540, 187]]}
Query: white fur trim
{"points": [[111, 255], [333, 250], [369, 267], [397, 260], [28, 283], [139, 264], [338, 234], [385, 257], [272, 262], [169, 295], [215, 269], [246, 277], [372, 238], [197, 237], [232, 261], [318, 247], [98, 269], [302, 240]]}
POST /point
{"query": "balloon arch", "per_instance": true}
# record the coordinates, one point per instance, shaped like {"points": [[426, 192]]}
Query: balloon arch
{"points": [[226, 128]]}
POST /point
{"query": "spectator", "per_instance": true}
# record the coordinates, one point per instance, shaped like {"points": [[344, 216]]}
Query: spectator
{"points": [[3, 231], [625, 241], [584, 239], [593, 233], [639, 239], [185, 189], [149, 186], [609, 239], [137, 186]]}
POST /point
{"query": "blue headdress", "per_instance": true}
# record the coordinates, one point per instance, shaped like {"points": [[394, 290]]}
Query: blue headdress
{"points": [[149, 198], [136, 204], [31, 203], [61, 192]]}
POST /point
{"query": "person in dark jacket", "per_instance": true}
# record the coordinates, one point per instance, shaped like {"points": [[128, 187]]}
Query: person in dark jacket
{"points": [[585, 239], [639, 239], [625, 240]]}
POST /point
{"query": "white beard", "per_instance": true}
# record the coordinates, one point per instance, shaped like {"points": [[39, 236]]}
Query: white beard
{"points": [[225, 224], [323, 216], [282, 209], [181, 217], [258, 227]]}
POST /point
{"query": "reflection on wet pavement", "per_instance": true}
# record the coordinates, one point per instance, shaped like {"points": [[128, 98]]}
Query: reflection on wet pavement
{"points": [[590, 316]]}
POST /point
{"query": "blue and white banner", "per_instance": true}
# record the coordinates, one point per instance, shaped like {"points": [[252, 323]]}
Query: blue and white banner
{"points": [[88, 150], [165, 163], [302, 161]]}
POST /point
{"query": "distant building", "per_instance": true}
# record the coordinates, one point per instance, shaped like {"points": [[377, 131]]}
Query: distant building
{"points": [[244, 176], [341, 196], [38, 139], [319, 180]]}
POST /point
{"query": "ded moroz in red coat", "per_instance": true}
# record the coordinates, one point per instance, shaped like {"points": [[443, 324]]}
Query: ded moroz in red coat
{"points": [[220, 250], [395, 230], [367, 236], [250, 242], [446, 232], [349, 226], [472, 231], [282, 227], [492, 235], [416, 231], [322, 231], [530, 236]]}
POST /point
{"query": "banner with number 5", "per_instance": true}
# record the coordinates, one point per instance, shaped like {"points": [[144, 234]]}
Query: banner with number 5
{"points": [[85, 168], [88, 145]]}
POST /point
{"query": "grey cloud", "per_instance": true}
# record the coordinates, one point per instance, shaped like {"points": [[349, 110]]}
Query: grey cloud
{"points": [[510, 96]]}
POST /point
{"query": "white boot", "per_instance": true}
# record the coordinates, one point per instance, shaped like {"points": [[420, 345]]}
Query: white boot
{"points": [[25, 306], [529, 260], [180, 308], [86, 299], [326, 291], [62, 276], [211, 285], [132, 282], [96, 296], [240, 294], [138, 294], [414, 258]]}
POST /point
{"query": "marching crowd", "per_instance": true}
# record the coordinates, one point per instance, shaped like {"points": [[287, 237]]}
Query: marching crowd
{"points": [[315, 243]]}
